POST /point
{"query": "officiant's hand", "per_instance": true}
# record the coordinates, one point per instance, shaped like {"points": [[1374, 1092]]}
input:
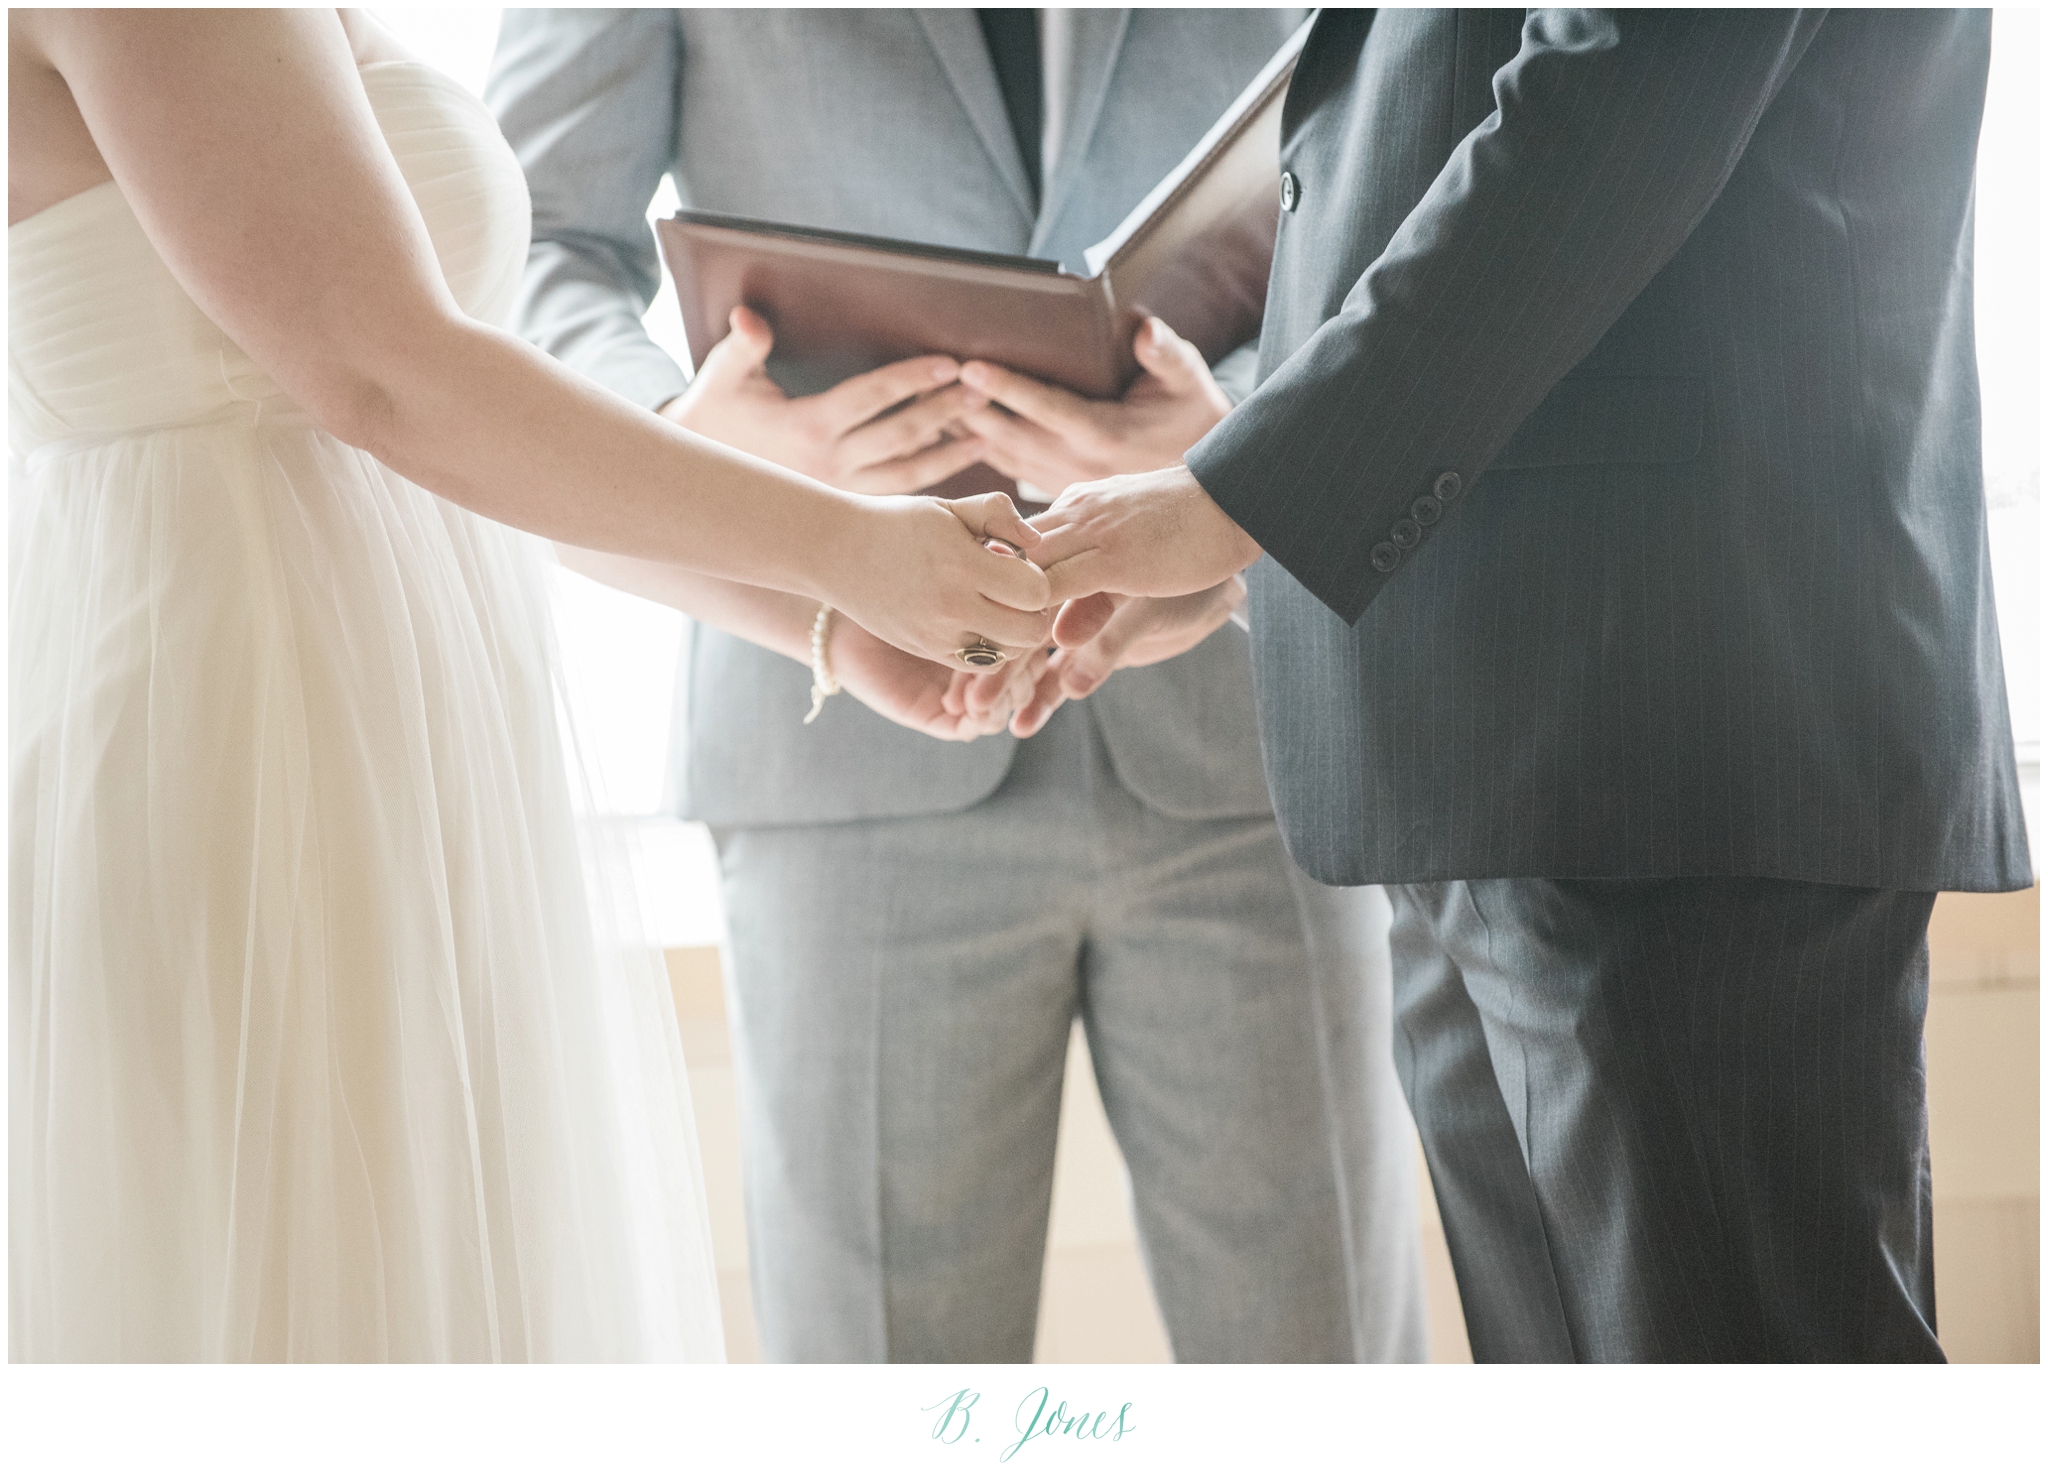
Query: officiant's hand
{"points": [[1106, 632], [1050, 438], [886, 433]]}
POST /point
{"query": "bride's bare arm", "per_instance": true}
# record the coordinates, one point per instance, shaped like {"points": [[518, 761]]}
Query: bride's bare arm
{"points": [[244, 143]]}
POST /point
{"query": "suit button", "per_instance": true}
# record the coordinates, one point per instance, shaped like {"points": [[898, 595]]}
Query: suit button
{"points": [[1385, 557], [1427, 510], [1290, 191], [1405, 534], [1449, 486]]}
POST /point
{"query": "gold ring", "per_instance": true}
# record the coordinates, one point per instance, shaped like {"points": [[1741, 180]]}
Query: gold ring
{"points": [[981, 654]]}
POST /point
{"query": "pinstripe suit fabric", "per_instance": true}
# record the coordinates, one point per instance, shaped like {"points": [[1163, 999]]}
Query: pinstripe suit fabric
{"points": [[1666, 712], [1692, 290], [1677, 1119]]}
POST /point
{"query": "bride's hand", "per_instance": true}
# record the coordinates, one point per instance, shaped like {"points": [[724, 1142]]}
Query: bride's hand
{"points": [[914, 571], [948, 704]]}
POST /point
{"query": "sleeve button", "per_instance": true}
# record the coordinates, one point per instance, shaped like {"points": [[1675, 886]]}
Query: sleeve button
{"points": [[1385, 557], [1449, 486], [1405, 534], [1427, 510]]}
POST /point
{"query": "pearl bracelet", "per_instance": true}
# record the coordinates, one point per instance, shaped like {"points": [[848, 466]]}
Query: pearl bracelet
{"points": [[823, 685]]}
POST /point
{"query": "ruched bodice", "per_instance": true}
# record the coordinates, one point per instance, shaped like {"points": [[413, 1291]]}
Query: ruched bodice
{"points": [[103, 340], [322, 1044]]}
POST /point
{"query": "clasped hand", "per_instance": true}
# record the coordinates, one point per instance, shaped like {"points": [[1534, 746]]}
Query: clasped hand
{"points": [[1141, 567]]}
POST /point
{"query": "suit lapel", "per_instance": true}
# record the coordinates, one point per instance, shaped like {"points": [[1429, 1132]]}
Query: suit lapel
{"points": [[1098, 38], [956, 36]]}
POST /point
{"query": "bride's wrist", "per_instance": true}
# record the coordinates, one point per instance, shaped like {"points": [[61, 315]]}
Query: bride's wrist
{"points": [[843, 645], [831, 550]]}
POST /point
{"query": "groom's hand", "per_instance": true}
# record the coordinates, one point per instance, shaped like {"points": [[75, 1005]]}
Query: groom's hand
{"points": [[886, 433], [1156, 535], [1046, 437]]}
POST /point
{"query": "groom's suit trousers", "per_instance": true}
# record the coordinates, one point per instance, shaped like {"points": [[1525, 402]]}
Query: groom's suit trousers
{"points": [[1677, 1119]]}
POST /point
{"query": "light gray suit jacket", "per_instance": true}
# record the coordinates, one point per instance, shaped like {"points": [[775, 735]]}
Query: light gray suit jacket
{"points": [[886, 122]]}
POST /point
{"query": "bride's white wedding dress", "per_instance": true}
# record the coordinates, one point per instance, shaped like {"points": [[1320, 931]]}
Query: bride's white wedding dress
{"points": [[317, 1051]]}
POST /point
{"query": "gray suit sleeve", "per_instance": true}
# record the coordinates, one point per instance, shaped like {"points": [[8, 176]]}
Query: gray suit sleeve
{"points": [[587, 99], [1612, 133]]}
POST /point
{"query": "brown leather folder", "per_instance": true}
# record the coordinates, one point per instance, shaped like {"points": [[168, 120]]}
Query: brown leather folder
{"points": [[1195, 252]]}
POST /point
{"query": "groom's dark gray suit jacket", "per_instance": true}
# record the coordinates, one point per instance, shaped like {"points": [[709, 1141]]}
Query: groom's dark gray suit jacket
{"points": [[1617, 453]]}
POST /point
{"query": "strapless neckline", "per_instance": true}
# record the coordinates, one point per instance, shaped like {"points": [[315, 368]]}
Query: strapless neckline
{"points": [[64, 205], [104, 340], [105, 186]]}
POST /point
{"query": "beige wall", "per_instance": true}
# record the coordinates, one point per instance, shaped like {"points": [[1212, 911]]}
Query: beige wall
{"points": [[1983, 1058], [1984, 1114]]}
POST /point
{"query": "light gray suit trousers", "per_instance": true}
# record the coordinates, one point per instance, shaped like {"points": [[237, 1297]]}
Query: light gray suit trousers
{"points": [[916, 926]]}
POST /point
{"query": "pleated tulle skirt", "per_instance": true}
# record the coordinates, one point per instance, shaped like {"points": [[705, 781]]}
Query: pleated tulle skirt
{"points": [[324, 1045]]}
